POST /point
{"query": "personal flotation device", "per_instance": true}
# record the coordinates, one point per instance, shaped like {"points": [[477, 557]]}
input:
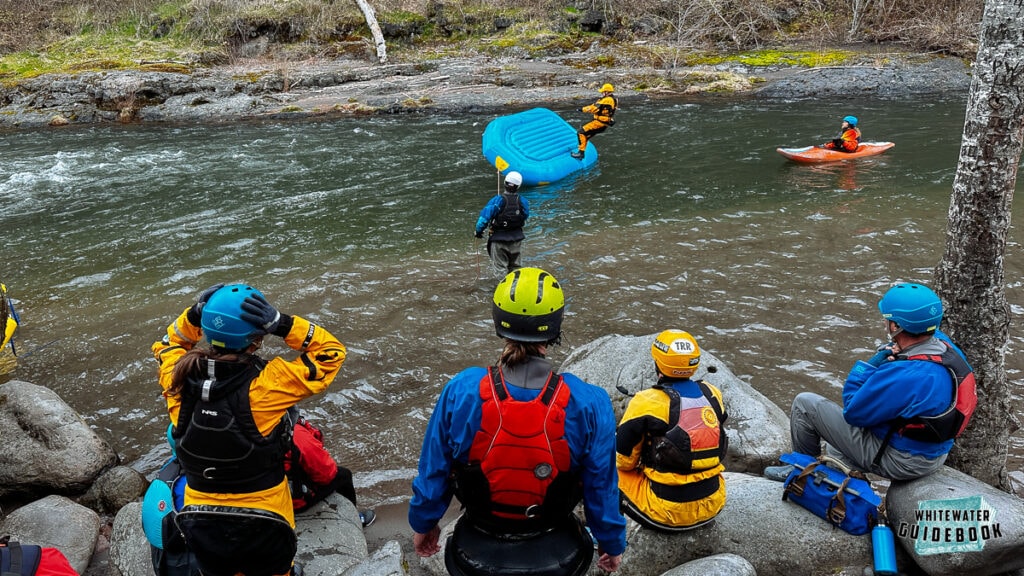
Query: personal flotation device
{"points": [[954, 419], [696, 439], [18, 559], [511, 215], [604, 109], [218, 442], [518, 471]]}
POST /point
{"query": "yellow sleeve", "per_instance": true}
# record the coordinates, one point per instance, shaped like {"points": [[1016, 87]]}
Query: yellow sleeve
{"points": [[284, 382], [181, 337], [646, 415]]}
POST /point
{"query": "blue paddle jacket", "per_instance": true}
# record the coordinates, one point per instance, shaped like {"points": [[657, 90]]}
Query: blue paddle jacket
{"points": [[874, 397], [494, 207], [589, 430]]}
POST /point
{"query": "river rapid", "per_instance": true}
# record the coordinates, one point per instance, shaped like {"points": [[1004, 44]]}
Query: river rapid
{"points": [[365, 225]]}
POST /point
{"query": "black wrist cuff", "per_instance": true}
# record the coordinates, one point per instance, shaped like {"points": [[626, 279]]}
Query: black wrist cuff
{"points": [[284, 326]]}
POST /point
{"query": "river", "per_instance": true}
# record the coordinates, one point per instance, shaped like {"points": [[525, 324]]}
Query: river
{"points": [[365, 225]]}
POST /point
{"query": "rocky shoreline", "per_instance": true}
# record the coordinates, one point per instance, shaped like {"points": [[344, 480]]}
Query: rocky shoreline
{"points": [[52, 454], [477, 84]]}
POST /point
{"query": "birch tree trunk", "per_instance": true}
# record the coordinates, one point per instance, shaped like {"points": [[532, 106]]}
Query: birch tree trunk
{"points": [[378, 37], [970, 276]]}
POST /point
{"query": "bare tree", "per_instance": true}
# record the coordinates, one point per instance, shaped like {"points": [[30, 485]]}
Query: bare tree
{"points": [[970, 276]]}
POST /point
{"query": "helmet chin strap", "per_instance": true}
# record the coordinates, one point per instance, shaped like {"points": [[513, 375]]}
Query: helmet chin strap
{"points": [[892, 335]]}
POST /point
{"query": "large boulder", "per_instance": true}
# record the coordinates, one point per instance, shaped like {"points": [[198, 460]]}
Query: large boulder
{"points": [[114, 489], [758, 429], [779, 538], [56, 522], [952, 524], [47, 447]]}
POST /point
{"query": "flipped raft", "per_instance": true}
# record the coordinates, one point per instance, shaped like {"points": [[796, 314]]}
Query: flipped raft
{"points": [[816, 154], [537, 143]]}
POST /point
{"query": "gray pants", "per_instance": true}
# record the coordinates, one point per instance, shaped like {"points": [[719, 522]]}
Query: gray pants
{"points": [[505, 255], [814, 418]]}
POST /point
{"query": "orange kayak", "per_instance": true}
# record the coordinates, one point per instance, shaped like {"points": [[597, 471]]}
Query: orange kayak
{"points": [[816, 154]]}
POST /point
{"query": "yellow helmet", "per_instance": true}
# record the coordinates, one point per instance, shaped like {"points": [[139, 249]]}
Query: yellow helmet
{"points": [[607, 88], [676, 354], [527, 306]]}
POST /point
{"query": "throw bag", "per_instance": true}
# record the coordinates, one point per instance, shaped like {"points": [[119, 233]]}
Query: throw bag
{"points": [[824, 486]]}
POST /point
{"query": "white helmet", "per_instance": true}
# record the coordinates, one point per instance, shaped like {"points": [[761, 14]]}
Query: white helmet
{"points": [[513, 180]]}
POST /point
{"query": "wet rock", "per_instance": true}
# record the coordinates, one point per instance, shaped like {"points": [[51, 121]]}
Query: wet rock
{"points": [[114, 489], [47, 447]]}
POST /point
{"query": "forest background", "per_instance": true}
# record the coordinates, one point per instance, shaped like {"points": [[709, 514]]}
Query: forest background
{"points": [[68, 36]]}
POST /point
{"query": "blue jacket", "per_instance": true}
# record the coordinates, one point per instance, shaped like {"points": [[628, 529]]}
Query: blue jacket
{"points": [[493, 208], [589, 429], [874, 397]]}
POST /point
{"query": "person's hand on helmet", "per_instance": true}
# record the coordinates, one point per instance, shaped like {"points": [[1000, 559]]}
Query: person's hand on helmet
{"points": [[258, 312], [195, 313], [479, 234]]}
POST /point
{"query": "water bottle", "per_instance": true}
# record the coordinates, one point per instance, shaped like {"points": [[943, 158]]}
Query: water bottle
{"points": [[884, 549]]}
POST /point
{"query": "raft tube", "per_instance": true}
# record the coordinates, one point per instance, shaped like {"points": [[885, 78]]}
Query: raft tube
{"points": [[537, 143], [817, 155]]}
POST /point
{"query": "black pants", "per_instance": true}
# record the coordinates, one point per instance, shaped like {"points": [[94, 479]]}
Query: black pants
{"points": [[228, 540]]}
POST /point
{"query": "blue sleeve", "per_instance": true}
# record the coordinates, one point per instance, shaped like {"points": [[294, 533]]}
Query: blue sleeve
{"points": [[590, 430], [449, 435], [896, 389], [488, 212], [525, 205]]}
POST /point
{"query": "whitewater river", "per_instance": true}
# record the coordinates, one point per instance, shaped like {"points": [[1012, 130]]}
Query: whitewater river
{"points": [[365, 225]]}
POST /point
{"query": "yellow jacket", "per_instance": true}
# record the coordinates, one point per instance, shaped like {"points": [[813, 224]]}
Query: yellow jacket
{"points": [[603, 109], [280, 385]]}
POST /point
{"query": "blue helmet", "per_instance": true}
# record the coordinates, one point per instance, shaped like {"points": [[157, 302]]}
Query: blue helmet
{"points": [[851, 120], [914, 307], [222, 322]]}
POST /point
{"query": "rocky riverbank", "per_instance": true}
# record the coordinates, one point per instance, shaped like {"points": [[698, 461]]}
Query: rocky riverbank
{"points": [[969, 527], [255, 90]]}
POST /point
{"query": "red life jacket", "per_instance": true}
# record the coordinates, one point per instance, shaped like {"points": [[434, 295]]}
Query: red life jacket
{"points": [[518, 454], [952, 421]]}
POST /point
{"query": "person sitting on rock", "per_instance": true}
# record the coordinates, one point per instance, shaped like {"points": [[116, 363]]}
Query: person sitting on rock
{"points": [[671, 442], [229, 408], [848, 139], [903, 407]]}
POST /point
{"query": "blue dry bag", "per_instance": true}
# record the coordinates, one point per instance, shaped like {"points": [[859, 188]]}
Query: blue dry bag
{"points": [[824, 486]]}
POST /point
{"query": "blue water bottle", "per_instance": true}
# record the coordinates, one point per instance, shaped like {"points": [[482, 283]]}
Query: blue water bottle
{"points": [[884, 549]]}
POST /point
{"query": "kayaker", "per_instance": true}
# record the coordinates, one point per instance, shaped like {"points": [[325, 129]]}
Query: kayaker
{"points": [[505, 214], [231, 430], [849, 137], [520, 446], [603, 112], [671, 442]]}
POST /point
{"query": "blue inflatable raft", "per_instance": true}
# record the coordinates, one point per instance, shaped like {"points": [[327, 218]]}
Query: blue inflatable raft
{"points": [[537, 143]]}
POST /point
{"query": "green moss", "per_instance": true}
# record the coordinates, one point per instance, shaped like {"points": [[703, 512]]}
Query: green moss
{"points": [[775, 58]]}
